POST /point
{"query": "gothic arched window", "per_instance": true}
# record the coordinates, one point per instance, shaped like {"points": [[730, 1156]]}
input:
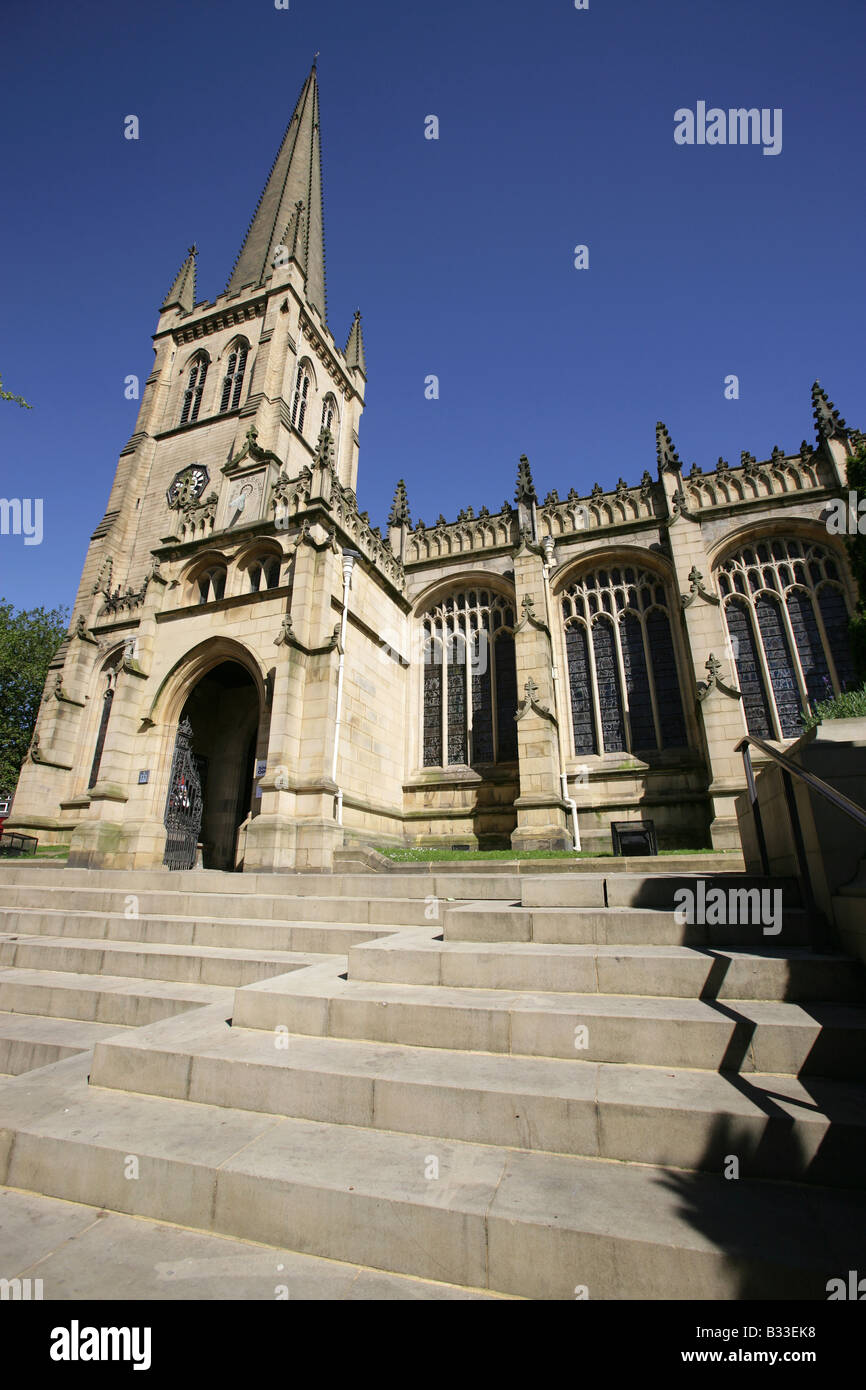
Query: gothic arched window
{"points": [[194, 388], [211, 584], [303, 382], [788, 623], [233, 380], [329, 414], [264, 573], [624, 688], [470, 680]]}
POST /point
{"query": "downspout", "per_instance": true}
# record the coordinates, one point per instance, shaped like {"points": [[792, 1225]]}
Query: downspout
{"points": [[548, 545], [349, 558]]}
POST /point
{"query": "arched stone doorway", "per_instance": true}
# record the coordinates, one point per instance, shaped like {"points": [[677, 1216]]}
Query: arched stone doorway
{"points": [[223, 711]]}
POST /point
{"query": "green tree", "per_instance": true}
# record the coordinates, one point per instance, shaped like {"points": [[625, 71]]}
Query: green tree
{"points": [[10, 396], [28, 641], [856, 547]]}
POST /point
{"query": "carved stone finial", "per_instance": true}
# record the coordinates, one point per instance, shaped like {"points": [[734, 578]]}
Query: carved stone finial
{"points": [[325, 450], [697, 589], [668, 458], [399, 514], [525, 490], [828, 422], [713, 666]]}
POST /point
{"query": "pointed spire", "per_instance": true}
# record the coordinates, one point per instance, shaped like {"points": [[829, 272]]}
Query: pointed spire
{"points": [[294, 238], [828, 422], [399, 514], [669, 459], [354, 353], [525, 491], [182, 293], [296, 176]]}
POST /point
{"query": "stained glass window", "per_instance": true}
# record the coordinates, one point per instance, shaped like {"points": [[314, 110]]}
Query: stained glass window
{"points": [[643, 732], [803, 636], [779, 664], [835, 614], [482, 706], [457, 745], [668, 693], [476, 685], [810, 648], [581, 694], [607, 680], [506, 696], [749, 675], [635, 644], [432, 704]]}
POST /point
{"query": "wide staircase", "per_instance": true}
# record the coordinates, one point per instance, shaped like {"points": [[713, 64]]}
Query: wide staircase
{"points": [[528, 1081]]}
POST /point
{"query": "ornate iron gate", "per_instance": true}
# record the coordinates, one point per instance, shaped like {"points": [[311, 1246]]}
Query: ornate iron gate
{"points": [[183, 806]]}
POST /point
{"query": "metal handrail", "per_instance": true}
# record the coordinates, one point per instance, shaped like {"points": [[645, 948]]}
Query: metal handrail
{"points": [[839, 800], [789, 769]]}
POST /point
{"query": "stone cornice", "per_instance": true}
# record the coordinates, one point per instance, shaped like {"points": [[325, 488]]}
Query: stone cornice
{"points": [[219, 319], [328, 356]]}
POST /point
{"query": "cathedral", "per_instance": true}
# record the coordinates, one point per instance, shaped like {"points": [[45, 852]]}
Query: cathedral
{"points": [[256, 676]]}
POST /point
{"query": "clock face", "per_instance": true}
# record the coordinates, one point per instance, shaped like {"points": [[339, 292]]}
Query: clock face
{"points": [[191, 482]]}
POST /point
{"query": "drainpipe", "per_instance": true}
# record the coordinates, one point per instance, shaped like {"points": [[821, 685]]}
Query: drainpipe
{"points": [[349, 558], [548, 547]]}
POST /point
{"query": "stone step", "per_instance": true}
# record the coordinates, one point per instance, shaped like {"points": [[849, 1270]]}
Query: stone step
{"points": [[83, 1252], [205, 965], [417, 957], [256, 934], [28, 1041], [533, 1224], [777, 1126], [102, 998], [621, 926], [215, 906], [734, 1035], [650, 890], [274, 888]]}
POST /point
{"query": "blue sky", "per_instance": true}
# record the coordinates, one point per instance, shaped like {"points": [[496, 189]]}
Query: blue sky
{"points": [[556, 129]]}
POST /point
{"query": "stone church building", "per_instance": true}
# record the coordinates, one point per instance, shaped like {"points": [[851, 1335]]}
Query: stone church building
{"points": [[256, 675]]}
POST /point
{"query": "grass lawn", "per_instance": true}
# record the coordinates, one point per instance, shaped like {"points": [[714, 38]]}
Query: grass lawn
{"points": [[422, 854]]}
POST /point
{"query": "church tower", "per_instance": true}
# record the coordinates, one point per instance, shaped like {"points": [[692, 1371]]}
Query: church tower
{"points": [[250, 413]]}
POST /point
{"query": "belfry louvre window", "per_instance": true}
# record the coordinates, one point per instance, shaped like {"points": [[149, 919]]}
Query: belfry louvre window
{"points": [[211, 585], [299, 402], [264, 574], [194, 388], [470, 680], [234, 378], [787, 618], [329, 413], [624, 690]]}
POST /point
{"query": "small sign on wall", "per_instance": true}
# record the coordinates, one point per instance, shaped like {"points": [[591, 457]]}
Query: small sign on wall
{"points": [[144, 776], [261, 768]]}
